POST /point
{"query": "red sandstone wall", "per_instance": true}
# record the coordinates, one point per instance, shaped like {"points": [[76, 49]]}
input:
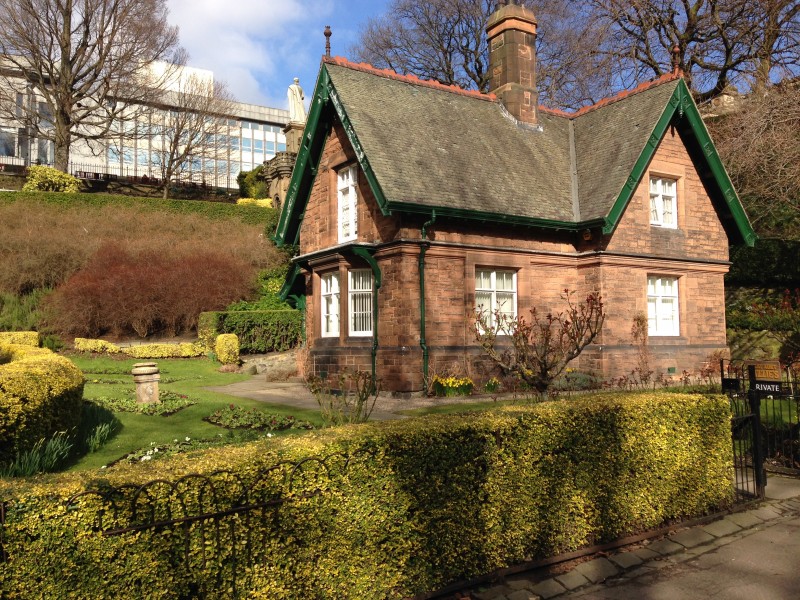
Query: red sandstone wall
{"points": [[546, 265]]}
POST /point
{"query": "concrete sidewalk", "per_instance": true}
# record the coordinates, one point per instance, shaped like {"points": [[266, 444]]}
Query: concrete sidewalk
{"points": [[296, 394], [749, 555]]}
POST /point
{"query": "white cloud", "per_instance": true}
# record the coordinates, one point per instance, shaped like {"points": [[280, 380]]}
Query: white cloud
{"points": [[251, 44]]}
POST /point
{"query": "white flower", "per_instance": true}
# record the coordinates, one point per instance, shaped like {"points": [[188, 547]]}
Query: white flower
{"points": [[149, 453], [175, 441], [188, 438], [155, 449], [145, 457], [269, 435], [103, 467]]}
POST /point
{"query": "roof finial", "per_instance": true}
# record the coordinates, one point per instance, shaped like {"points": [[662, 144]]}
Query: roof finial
{"points": [[328, 34], [676, 61]]}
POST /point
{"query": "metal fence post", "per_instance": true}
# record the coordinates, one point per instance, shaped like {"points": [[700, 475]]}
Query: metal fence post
{"points": [[754, 398]]}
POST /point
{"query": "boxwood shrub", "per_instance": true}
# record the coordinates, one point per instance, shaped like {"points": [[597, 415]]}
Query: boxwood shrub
{"points": [[40, 394], [258, 331], [421, 503], [23, 338]]}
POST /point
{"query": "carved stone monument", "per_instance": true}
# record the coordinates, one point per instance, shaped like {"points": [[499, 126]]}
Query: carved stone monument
{"points": [[146, 377]]}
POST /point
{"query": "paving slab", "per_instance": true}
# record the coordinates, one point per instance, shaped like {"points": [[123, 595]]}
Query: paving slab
{"points": [[722, 527], [549, 588], [572, 580], [626, 560], [689, 538], [745, 520], [782, 488], [766, 513], [597, 570], [520, 584], [495, 592], [646, 554], [665, 547], [523, 595]]}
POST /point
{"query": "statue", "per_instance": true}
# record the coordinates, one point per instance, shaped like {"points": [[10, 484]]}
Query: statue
{"points": [[297, 110]]}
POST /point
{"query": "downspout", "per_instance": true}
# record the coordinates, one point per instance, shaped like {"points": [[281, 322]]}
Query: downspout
{"points": [[422, 250], [376, 278]]}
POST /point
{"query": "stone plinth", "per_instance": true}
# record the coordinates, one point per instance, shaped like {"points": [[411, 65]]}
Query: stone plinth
{"points": [[146, 377]]}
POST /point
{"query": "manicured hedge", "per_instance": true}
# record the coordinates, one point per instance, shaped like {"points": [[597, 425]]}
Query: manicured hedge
{"points": [[422, 502], [23, 338], [180, 350], [40, 394], [258, 330]]}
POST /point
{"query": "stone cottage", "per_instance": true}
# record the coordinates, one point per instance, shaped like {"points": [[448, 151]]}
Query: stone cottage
{"points": [[413, 203]]}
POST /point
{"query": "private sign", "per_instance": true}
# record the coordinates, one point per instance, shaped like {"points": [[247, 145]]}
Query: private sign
{"points": [[766, 377]]}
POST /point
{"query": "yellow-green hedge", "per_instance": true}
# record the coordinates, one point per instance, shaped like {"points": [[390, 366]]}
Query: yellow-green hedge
{"points": [[182, 350], [22, 338], [40, 394], [423, 502], [100, 346], [226, 347]]}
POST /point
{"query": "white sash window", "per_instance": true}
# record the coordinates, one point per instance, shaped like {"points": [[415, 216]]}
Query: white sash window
{"points": [[348, 208], [663, 202], [330, 304], [662, 306], [359, 305]]}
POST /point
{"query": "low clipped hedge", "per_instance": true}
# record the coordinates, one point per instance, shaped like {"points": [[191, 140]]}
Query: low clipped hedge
{"points": [[40, 394], [181, 350], [258, 331], [23, 338], [421, 503]]}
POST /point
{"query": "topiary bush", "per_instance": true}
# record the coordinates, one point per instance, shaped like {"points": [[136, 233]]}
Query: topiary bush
{"points": [[40, 394], [48, 179], [226, 347], [98, 346], [396, 508]]}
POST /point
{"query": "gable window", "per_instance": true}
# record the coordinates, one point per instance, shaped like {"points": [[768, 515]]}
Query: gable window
{"points": [[346, 192], [359, 304], [663, 202], [330, 304], [662, 305], [496, 293]]}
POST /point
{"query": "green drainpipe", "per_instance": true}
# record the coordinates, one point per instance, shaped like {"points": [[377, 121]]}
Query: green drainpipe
{"points": [[376, 276], [422, 250]]}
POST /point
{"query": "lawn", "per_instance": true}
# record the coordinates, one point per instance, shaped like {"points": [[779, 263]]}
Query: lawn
{"points": [[111, 377]]}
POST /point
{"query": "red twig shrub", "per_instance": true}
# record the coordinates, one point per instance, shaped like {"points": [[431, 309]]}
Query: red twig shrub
{"points": [[120, 293]]}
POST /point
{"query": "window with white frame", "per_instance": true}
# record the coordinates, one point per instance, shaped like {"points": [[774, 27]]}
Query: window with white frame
{"points": [[496, 294], [359, 304], [330, 304], [347, 199], [663, 202], [662, 305]]}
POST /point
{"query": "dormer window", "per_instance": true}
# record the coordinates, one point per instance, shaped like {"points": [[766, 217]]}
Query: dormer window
{"points": [[663, 202], [347, 199]]}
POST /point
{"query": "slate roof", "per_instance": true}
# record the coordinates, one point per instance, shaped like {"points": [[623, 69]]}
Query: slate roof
{"points": [[424, 146], [431, 146]]}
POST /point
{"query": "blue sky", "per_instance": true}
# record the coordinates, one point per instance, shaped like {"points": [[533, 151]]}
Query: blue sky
{"points": [[259, 46]]}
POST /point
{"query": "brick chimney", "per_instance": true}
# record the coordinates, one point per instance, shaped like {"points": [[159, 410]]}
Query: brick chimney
{"points": [[511, 33]]}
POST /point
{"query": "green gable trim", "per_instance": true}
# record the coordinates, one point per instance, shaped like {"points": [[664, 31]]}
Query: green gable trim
{"points": [[306, 165], [681, 103], [324, 103], [460, 213]]}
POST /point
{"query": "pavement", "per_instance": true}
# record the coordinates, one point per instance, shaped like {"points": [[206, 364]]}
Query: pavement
{"points": [[753, 554], [748, 555], [293, 392]]}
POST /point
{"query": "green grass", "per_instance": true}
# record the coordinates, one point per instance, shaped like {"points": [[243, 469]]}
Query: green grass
{"points": [[182, 376]]}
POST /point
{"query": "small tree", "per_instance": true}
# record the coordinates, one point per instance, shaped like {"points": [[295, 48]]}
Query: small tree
{"points": [[783, 322], [539, 349]]}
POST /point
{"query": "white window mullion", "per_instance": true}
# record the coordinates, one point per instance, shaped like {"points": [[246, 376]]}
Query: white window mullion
{"points": [[329, 297], [347, 203], [663, 314], [359, 305]]}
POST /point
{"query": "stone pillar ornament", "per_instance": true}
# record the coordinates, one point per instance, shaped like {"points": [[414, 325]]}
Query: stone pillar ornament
{"points": [[146, 376]]}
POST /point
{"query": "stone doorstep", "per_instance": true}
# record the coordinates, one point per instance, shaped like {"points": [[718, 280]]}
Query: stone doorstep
{"points": [[693, 541]]}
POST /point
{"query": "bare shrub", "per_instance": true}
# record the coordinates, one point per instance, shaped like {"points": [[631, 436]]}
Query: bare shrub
{"points": [[119, 292], [42, 245]]}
